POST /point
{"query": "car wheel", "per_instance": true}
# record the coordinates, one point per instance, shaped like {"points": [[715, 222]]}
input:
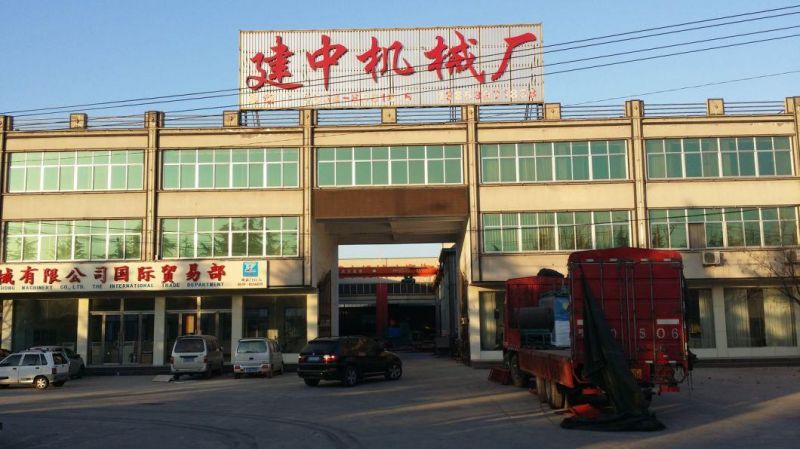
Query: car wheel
{"points": [[312, 382], [394, 372], [350, 378], [59, 383], [176, 376], [41, 383], [81, 372]]}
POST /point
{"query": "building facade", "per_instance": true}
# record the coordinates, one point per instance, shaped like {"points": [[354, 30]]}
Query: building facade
{"points": [[117, 239]]}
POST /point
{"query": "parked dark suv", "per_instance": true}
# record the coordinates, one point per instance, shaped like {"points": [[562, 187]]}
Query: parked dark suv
{"points": [[348, 359]]}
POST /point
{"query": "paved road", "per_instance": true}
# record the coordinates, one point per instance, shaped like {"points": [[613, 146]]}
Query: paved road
{"points": [[438, 404]]}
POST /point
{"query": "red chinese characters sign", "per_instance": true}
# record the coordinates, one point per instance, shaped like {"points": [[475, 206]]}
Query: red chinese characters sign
{"points": [[128, 275], [391, 67]]}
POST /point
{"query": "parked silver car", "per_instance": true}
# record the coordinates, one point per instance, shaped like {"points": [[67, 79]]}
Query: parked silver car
{"points": [[196, 354], [37, 368], [257, 356], [76, 365]]}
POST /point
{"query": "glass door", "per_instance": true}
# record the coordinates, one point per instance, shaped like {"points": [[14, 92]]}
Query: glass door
{"points": [[111, 338], [146, 328]]}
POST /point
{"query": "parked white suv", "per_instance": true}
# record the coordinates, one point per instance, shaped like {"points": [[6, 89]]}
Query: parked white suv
{"points": [[37, 368]]}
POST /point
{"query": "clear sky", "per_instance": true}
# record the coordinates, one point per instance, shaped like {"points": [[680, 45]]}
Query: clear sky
{"points": [[62, 53]]}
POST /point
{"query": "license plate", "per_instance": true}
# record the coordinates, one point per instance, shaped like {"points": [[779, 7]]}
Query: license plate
{"points": [[251, 370], [314, 358], [186, 359]]}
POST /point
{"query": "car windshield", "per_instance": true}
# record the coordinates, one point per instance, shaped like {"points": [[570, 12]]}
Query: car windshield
{"points": [[189, 345], [319, 347], [252, 347]]}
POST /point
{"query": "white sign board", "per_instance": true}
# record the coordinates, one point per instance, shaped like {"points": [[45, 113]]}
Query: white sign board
{"points": [[390, 67], [123, 275]]}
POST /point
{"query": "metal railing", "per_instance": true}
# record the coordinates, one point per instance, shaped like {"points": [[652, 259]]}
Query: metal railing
{"points": [[410, 115]]}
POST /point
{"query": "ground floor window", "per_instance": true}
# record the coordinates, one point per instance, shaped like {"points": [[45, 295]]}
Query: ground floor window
{"points": [[45, 322], [491, 311], [758, 317], [700, 318], [282, 318]]}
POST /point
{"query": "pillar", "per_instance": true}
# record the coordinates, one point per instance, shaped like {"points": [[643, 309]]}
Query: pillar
{"points": [[237, 320], [82, 344], [6, 124], [312, 314], [552, 111], [308, 121], [715, 106], [78, 121], [474, 325], [153, 122], [231, 119], [469, 114], [7, 327], [389, 115], [793, 108], [634, 110], [159, 322], [720, 330]]}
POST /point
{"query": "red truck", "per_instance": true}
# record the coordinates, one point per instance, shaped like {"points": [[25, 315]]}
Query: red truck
{"points": [[638, 292]]}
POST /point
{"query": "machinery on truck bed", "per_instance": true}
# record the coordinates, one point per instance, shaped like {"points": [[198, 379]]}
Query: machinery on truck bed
{"points": [[637, 299]]}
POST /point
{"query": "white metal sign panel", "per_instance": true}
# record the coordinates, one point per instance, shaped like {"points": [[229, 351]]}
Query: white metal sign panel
{"points": [[123, 275], [390, 67]]}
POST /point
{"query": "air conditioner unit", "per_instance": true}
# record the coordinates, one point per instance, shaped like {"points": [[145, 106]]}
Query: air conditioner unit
{"points": [[712, 258]]}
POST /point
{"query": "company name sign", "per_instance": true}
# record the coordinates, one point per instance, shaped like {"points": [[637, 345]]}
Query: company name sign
{"points": [[390, 67], [123, 275]]}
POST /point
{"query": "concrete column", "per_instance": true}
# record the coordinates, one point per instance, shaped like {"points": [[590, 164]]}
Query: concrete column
{"points": [[82, 344], [308, 121], [6, 124], [153, 122], [231, 119], [552, 111], [78, 121], [634, 109], [715, 106], [312, 313], [720, 331], [159, 322], [237, 320], [7, 327], [474, 304], [389, 115], [469, 115], [793, 108]]}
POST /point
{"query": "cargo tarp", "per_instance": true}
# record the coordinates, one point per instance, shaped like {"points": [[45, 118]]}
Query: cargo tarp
{"points": [[606, 367]]}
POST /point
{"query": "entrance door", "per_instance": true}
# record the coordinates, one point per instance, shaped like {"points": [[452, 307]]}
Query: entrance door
{"points": [[121, 338], [111, 338]]}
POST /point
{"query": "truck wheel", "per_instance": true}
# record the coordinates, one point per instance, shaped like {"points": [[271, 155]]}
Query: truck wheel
{"points": [[311, 382], [541, 389], [518, 378], [556, 396]]}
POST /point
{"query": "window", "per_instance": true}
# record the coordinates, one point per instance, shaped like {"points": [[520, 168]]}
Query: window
{"points": [[188, 238], [32, 241], [718, 157], [553, 161], [757, 317], [723, 227], [45, 322], [253, 168], [12, 360], [282, 318], [555, 231], [67, 171], [491, 304], [700, 318], [375, 166]]}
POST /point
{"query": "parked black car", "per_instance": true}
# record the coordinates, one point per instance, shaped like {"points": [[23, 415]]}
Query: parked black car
{"points": [[347, 359]]}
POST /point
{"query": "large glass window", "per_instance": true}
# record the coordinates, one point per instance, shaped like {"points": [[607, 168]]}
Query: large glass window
{"points": [[718, 157], [555, 231], [32, 241], [412, 165], [66, 171], [700, 318], [492, 310], [189, 238], [282, 318], [253, 168], [723, 227], [756, 317], [45, 322], [553, 161]]}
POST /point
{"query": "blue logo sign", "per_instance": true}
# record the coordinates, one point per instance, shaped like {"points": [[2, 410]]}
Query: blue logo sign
{"points": [[250, 269]]}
